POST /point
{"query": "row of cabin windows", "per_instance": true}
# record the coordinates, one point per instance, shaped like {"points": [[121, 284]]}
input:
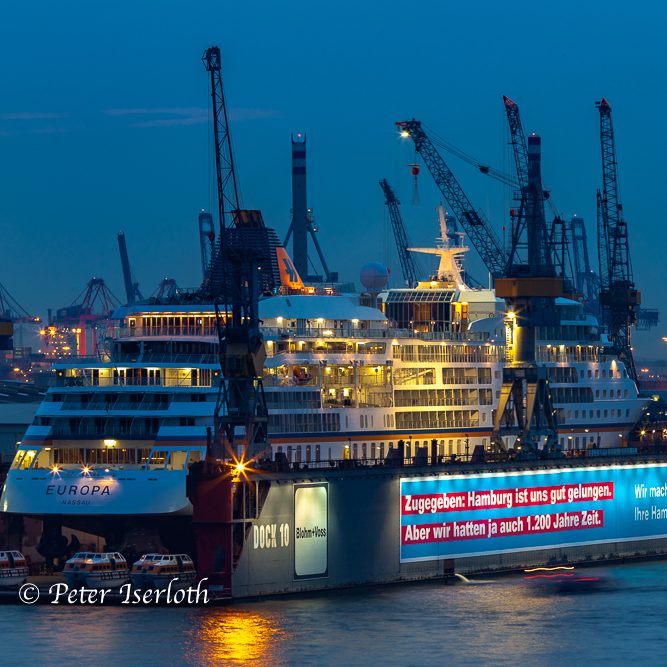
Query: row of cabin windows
{"points": [[376, 451], [128, 397], [67, 456], [613, 374], [436, 397], [611, 393], [304, 423], [425, 376], [580, 442], [593, 414], [449, 353], [112, 426]]}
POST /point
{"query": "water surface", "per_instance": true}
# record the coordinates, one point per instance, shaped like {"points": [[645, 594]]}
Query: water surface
{"points": [[508, 621]]}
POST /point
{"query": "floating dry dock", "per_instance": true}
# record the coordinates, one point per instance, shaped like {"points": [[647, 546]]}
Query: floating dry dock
{"points": [[323, 528]]}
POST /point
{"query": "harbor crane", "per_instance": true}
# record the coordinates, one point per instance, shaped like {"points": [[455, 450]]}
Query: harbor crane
{"points": [[249, 224], [166, 291], [480, 233], [93, 305], [235, 277], [132, 293], [240, 419], [586, 280], [619, 298], [520, 152], [206, 240], [407, 260], [556, 230], [228, 191], [11, 313], [530, 288]]}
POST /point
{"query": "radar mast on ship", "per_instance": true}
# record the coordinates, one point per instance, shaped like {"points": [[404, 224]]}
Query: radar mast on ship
{"points": [[451, 256]]}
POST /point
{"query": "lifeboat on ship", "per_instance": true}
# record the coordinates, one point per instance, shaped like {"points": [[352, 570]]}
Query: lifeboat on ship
{"points": [[13, 568], [96, 570], [158, 570]]}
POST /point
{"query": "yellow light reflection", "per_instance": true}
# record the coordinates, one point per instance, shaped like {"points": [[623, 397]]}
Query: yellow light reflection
{"points": [[230, 637]]}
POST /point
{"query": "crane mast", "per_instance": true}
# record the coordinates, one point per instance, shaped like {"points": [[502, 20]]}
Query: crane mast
{"points": [[408, 265], [480, 233], [619, 299]]}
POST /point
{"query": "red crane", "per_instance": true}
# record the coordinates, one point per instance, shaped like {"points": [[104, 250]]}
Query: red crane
{"points": [[95, 303]]}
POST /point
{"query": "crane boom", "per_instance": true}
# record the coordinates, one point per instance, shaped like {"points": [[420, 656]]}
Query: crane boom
{"points": [[619, 298], [586, 281], [619, 268], [480, 233], [132, 292], [520, 152], [228, 195], [408, 266], [518, 141]]}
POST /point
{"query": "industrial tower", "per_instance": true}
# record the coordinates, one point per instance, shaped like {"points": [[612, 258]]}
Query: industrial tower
{"points": [[303, 220], [299, 206]]}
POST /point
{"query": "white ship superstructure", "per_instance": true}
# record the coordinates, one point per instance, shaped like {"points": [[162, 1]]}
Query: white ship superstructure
{"points": [[116, 434]]}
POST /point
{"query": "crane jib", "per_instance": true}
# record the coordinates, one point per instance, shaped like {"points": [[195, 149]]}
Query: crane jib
{"points": [[482, 236]]}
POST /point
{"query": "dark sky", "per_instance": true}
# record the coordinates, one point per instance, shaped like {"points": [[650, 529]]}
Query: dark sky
{"points": [[104, 124]]}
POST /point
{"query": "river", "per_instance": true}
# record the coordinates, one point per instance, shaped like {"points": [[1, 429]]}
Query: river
{"points": [[505, 621]]}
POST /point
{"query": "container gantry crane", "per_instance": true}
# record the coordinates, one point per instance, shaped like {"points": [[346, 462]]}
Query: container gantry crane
{"points": [[94, 304], [480, 233], [619, 298], [407, 260]]}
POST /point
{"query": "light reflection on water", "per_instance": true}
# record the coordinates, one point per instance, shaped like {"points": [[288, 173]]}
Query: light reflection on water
{"points": [[507, 622], [233, 636]]}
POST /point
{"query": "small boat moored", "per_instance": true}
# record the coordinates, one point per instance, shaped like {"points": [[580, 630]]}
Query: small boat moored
{"points": [[96, 570], [13, 568], [158, 570]]}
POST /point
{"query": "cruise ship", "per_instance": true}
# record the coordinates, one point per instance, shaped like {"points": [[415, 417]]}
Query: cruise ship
{"points": [[422, 366]]}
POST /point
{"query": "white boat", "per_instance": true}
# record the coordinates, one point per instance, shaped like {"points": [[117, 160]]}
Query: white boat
{"points": [[14, 569], [159, 570], [96, 570]]}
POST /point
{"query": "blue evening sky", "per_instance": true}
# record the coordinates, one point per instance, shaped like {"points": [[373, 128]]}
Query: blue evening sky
{"points": [[104, 124]]}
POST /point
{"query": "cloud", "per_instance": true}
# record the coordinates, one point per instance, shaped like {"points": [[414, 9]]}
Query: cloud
{"points": [[142, 111], [183, 116], [33, 115], [249, 113], [49, 130], [178, 116]]}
